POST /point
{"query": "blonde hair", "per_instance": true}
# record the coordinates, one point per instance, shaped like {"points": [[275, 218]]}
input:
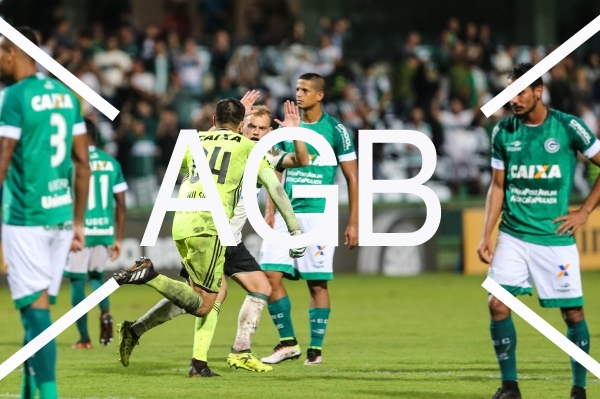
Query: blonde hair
{"points": [[262, 110]]}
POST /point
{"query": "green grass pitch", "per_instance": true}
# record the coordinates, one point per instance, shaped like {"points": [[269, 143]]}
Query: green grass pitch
{"points": [[418, 337]]}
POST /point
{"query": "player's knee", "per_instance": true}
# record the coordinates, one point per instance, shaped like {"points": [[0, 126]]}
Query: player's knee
{"points": [[317, 288], [204, 308], [265, 288], [498, 310], [572, 315]]}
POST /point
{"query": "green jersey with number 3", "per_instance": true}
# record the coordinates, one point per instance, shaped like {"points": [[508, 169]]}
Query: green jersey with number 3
{"points": [[105, 181], [316, 173], [226, 153], [539, 164], [43, 115]]}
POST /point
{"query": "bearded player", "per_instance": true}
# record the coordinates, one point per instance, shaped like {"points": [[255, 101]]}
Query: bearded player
{"points": [[534, 154]]}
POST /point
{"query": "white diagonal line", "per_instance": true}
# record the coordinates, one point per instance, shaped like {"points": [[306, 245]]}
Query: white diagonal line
{"points": [[58, 327], [58, 70], [541, 68], [542, 326]]}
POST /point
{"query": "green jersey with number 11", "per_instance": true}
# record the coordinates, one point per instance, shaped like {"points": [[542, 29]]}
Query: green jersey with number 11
{"points": [[43, 115], [105, 181], [539, 164]]}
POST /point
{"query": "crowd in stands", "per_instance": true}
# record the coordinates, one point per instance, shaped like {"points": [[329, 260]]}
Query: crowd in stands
{"points": [[164, 79]]}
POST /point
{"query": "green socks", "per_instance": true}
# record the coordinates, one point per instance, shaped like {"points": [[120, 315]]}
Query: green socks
{"points": [[281, 313], [181, 294], [96, 281], [504, 339], [78, 295], [318, 324], [43, 364], [578, 334], [205, 330]]}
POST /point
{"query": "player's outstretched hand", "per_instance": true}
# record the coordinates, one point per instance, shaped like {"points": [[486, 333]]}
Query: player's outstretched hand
{"points": [[351, 235], [485, 250], [115, 251], [291, 115], [248, 100], [571, 222], [78, 238]]}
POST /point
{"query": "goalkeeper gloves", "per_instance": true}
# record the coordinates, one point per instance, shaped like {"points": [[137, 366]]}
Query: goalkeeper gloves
{"points": [[297, 252]]}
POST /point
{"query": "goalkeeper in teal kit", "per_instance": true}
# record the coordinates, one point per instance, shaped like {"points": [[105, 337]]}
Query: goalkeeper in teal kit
{"points": [[534, 155]]}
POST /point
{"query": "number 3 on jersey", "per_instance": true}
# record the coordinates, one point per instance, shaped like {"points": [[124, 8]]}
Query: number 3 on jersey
{"points": [[222, 172], [58, 140]]}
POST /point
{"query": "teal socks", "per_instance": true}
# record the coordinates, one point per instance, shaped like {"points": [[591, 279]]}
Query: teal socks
{"points": [[78, 295], [96, 281], [281, 313], [42, 365], [318, 324], [578, 334], [504, 339]]}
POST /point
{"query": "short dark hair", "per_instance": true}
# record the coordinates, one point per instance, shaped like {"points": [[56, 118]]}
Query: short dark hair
{"points": [[520, 70], [27, 32], [230, 112], [317, 80], [92, 132]]}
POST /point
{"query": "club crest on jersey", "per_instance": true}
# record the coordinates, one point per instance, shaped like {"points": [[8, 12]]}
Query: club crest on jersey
{"points": [[535, 172], [551, 146], [51, 101]]}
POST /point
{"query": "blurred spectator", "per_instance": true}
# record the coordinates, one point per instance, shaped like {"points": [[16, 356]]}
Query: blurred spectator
{"points": [[114, 64], [163, 79]]}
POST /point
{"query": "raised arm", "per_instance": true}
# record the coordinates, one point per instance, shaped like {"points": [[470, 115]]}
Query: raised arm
{"points": [[299, 158]]}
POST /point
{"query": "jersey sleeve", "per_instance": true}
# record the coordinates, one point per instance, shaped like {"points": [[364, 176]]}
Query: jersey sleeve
{"points": [[11, 114], [582, 138], [120, 185], [342, 144], [183, 169], [264, 164], [79, 125], [498, 156]]}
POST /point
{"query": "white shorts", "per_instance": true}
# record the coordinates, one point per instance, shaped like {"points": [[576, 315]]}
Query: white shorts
{"points": [[89, 259], [35, 258], [554, 270], [317, 262]]}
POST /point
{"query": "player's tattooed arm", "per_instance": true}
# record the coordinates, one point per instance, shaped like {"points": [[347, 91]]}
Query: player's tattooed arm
{"points": [[571, 222], [7, 147], [493, 207], [350, 170]]}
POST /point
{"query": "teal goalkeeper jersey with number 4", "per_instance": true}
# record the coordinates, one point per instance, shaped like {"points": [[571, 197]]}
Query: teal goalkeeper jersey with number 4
{"points": [[43, 115], [316, 173], [105, 181], [539, 164]]}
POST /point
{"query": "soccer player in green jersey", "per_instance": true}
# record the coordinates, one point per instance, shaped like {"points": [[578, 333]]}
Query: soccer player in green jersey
{"points": [[317, 266], [533, 162], [41, 127], [102, 237], [195, 234]]}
